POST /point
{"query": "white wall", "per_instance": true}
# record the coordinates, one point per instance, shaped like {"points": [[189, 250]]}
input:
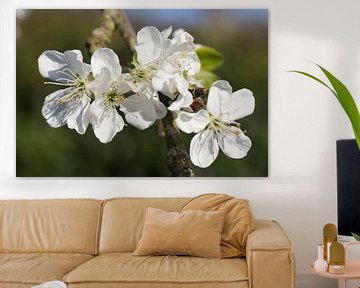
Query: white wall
{"points": [[305, 121]]}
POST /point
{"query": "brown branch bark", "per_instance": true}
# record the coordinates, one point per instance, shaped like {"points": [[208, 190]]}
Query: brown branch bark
{"points": [[178, 158], [125, 28], [110, 21]]}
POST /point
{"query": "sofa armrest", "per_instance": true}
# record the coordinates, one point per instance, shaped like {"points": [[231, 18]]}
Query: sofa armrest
{"points": [[269, 256]]}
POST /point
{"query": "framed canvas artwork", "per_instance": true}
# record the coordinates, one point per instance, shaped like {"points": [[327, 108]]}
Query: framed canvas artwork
{"points": [[142, 93]]}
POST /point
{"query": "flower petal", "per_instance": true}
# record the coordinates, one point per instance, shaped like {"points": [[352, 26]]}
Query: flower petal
{"points": [[139, 111], [105, 57], [75, 63], [192, 122], [204, 148], [110, 124], [97, 109], [181, 36], [160, 108], [180, 42], [56, 113], [182, 85], [242, 104], [181, 101], [62, 67], [165, 83], [50, 63], [135, 86], [172, 47], [193, 64], [79, 119], [123, 87], [185, 98], [219, 98], [149, 45], [166, 32], [234, 143], [153, 96], [74, 55], [101, 83]]}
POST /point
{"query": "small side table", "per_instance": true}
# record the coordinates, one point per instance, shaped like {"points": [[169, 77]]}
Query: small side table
{"points": [[352, 269]]}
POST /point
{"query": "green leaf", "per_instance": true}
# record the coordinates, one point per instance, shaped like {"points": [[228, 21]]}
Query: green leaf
{"points": [[210, 58], [344, 97], [357, 237], [316, 79], [207, 78], [347, 102]]}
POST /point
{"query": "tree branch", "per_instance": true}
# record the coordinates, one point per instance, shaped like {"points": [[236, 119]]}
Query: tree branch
{"points": [[111, 20], [178, 158], [102, 34], [125, 28]]}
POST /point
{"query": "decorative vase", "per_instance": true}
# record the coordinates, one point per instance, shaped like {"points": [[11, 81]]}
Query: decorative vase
{"points": [[320, 264]]}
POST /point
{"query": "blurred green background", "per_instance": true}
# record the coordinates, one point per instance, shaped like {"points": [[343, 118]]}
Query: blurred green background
{"points": [[240, 35]]}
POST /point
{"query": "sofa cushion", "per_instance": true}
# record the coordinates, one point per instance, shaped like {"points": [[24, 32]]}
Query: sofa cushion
{"points": [[63, 226], [193, 232], [123, 220], [126, 268], [36, 268], [239, 220]]}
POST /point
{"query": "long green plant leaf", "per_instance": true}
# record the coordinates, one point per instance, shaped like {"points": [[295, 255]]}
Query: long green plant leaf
{"points": [[347, 102], [357, 237], [344, 97]]}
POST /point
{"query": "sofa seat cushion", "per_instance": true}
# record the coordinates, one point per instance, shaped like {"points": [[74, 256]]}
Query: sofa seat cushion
{"points": [[36, 268], [127, 268]]}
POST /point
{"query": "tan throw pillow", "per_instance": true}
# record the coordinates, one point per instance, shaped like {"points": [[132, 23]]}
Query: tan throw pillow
{"points": [[239, 220], [196, 233]]}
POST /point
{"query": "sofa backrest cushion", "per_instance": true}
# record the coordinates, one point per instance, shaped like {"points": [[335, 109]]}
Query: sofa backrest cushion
{"points": [[123, 220], [238, 224], [64, 226]]}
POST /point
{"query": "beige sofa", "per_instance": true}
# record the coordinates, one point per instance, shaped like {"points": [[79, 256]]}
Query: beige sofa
{"points": [[89, 243]]}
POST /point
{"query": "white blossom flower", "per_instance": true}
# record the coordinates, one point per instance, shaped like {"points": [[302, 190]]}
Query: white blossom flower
{"points": [[113, 94], [183, 55], [168, 65], [163, 64], [175, 87], [216, 126], [70, 105]]}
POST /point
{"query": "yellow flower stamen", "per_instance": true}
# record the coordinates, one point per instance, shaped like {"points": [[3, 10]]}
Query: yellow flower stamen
{"points": [[113, 98]]}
